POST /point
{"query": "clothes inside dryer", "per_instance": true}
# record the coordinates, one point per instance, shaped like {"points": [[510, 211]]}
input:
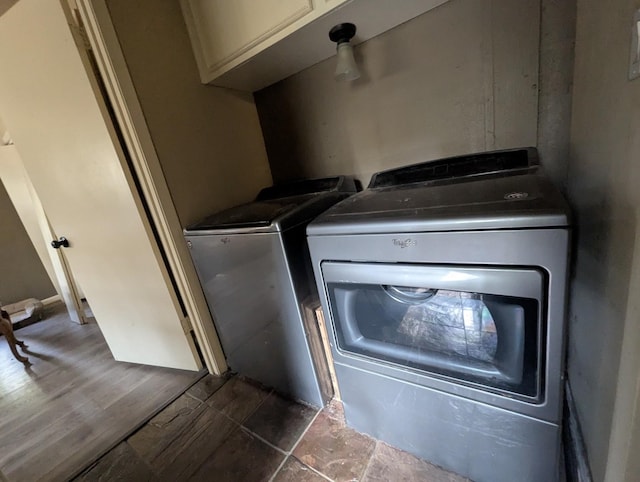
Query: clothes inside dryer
{"points": [[483, 339]]}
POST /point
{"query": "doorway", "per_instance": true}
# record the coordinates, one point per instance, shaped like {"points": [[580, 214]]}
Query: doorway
{"points": [[75, 401]]}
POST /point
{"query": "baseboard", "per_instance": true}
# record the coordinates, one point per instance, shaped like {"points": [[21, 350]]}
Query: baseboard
{"points": [[575, 452], [51, 300]]}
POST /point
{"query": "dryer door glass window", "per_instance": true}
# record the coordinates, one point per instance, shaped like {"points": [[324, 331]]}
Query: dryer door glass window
{"points": [[491, 340]]}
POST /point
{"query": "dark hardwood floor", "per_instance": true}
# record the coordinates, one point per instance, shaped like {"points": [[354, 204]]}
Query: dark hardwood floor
{"points": [[75, 402]]}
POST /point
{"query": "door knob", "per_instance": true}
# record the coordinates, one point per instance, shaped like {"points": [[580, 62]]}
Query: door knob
{"points": [[60, 243]]}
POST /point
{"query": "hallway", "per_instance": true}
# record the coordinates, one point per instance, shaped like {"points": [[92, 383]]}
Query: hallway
{"points": [[75, 402]]}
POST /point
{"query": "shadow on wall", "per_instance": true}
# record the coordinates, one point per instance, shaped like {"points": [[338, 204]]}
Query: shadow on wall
{"points": [[294, 123], [22, 273], [4, 6], [604, 247], [453, 81]]}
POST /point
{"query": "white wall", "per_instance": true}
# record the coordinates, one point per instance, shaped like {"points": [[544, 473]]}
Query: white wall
{"points": [[604, 175], [460, 78]]}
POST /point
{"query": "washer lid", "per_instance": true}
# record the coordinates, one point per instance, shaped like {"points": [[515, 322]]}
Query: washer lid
{"points": [[252, 215], [498, 201], [278, 207]]}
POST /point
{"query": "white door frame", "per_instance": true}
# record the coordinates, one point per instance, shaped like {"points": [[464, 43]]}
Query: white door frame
{"points": [[68, 287], [120, 89]]}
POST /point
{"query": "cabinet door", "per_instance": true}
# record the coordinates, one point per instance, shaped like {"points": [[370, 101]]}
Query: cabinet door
{"points": [[52, 106], [224, 30], [248, 45]]}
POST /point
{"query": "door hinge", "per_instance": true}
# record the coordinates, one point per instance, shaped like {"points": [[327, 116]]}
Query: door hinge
{"points": [[186, 324]]}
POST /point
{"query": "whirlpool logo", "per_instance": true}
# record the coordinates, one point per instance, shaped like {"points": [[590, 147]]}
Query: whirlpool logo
{"points": [[404, 243]]}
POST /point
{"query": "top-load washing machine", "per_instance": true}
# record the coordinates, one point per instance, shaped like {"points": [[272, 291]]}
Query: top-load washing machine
{"points": [[254, 267], [444, 287]]}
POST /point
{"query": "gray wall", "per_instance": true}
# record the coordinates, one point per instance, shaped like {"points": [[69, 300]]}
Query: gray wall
{"points": [[22, 274], [460, 78], [207, 139], [557, 42], [604, 175]]}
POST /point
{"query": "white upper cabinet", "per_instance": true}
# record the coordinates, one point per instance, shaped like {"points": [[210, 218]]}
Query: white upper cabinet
{"points": [[248, 45], [225, 30]]}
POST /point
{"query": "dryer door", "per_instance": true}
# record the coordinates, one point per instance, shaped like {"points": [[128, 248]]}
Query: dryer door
{"points": [[478, 326]]}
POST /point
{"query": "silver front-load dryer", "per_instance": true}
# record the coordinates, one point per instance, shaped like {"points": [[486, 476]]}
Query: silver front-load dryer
{"points": [[444, 286], [253, 264]]}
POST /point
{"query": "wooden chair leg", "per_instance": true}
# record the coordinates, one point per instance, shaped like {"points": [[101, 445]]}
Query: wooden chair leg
{"points": [[6, 328], [22, 344]]}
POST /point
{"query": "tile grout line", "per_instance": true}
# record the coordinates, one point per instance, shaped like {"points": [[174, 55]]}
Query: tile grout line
{"points": [[304, 432], [236, 425], [245, 418], [249, 415], [366, 469], [286, 454], [300, 438], [187, 426], [140, 458], [316, 471], [265, 441], [240, 425], [293, 447], [278, 469]]}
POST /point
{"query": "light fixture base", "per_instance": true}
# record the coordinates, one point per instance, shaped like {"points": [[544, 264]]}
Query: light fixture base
{"points": [[343, 32]]}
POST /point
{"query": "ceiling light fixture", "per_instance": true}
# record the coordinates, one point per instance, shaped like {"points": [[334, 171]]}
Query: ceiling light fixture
{"points": [[346, 68]]}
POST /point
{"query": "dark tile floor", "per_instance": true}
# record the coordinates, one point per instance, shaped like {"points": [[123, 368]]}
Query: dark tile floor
{"points": [[236, 430]]}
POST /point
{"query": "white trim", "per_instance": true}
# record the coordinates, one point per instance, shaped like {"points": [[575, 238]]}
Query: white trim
{"points": [[122, 93], [51, 300]]}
